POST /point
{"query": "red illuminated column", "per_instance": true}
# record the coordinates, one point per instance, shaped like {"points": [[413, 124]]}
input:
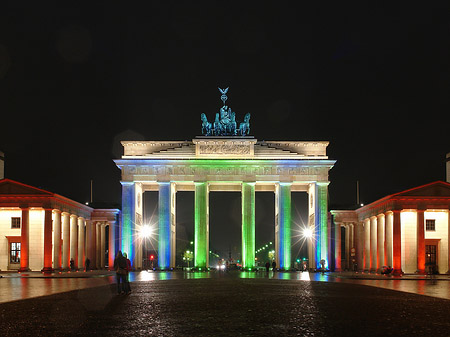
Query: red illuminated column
{"points": [[66, 240], [74, 240], [397, 243], [112, 244], [388, 238], [367, 245], [373, 244], [57, 240], [448, 241], [380, 242], [81, 243], [24, 239], [359, 244], [48, 241], [337, 247], [420, 241]]}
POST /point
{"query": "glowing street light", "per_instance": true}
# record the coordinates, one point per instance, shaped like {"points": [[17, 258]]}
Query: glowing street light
{"points": [[146, 231], [307, 233]]}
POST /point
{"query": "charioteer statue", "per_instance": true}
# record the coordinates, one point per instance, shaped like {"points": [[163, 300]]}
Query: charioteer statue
{"points": [[225, 123]]}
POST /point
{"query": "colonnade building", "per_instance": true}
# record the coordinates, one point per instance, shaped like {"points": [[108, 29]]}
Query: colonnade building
{"points": [[41, 230], [407, 231]]}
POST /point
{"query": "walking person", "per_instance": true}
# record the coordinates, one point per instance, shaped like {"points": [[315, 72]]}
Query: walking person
{"points": [[274, 266], [127, 277], [87, 263], [120, 266], [267, 266]]}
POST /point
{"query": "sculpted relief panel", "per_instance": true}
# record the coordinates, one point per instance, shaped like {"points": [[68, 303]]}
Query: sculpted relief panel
{"points": [[224, 149]]}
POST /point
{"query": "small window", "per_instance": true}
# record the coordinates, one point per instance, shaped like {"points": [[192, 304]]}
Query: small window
{"points": [[430, 225], [15, 222]]}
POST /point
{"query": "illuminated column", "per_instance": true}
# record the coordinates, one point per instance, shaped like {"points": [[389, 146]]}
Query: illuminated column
{"points": [[66, 240], [359, 245], [112, 245], [57, 239], [102, 245], [448, 221], [283, 225], [128, 219], [388, 245], [166, 240], [98, 245], [48, 240], [397, 243], [421, 241], [81, 242], [367, 244], [248, 224], [380, 242], [347, 246], [337, 247], [373, 244], [74, 240], [201, 229], [322, 221], [24, 237], [90, 243]]}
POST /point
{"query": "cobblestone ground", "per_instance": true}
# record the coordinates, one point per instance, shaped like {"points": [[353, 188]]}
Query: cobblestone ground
{"points": [[228, 306]]}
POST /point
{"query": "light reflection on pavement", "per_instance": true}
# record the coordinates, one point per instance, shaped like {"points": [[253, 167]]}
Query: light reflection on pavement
{"points": [[16, 288]]}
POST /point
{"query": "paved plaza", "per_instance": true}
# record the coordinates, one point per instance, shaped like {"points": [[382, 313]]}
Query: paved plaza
{"points": [[220, 304]]}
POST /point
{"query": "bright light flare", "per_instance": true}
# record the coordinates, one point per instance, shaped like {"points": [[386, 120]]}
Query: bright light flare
{"points": [[146, 231], [307, 233]]}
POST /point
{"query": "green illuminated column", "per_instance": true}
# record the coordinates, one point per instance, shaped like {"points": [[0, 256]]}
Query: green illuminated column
{"points": [[322, 219], [128, 218], [201, 230], [283, 225], [248, 225]]}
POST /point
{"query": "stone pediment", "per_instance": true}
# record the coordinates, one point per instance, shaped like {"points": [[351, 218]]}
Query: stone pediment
{"points": [[11, 187], [435, 189]]}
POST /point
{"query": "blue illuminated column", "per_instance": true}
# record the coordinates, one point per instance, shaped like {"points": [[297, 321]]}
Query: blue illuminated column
{"points": [[248, 225], [283, 225], [166, 235], [321, 225], [128, 219]]}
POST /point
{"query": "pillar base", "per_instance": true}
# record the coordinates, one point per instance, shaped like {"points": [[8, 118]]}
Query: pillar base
{"points": [[421, 272], [397, 272], [21, 270], [47, 270]]}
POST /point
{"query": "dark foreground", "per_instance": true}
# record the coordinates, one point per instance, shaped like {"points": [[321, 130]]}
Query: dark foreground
{"points": [[229, 306]]}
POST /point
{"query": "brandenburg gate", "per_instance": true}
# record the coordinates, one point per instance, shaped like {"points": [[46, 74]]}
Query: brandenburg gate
{"points": [[225, 158]]}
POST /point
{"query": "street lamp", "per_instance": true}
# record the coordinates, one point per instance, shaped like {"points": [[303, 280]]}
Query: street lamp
{"points": [[146, 231]]}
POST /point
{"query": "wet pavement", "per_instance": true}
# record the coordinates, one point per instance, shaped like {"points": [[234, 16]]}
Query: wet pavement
{"points": [[223, 304]]}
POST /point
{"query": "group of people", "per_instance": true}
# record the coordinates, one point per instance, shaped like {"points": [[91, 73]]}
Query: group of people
{"points": [[274, 266], [122, 266]]}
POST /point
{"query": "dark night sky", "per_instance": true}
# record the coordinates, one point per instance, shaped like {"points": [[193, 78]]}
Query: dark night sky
{"points": [[374, 81]]}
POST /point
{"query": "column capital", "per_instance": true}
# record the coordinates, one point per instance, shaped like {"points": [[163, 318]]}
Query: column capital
{"points": [[57, 210]]}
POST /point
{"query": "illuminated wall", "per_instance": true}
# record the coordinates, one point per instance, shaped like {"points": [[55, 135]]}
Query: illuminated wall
{"points": [[409, 241], [201, 227], [248, 225]]}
